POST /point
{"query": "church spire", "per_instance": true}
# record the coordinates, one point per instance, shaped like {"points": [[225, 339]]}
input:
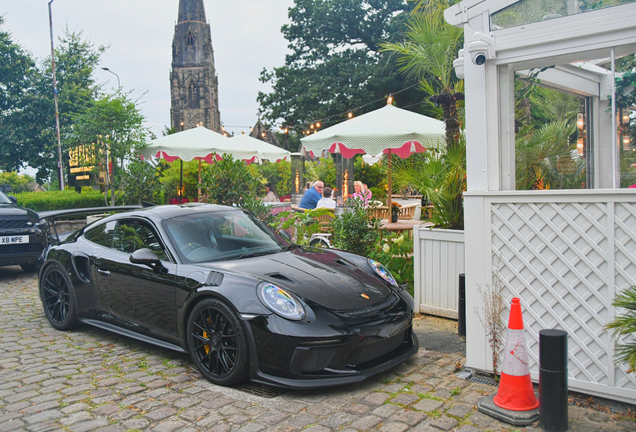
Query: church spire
{"points": [[191, 10], [193, 80]]}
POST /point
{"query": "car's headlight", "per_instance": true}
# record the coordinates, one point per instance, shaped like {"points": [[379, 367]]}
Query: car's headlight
{"points": [[281, 302], [383, 272]]}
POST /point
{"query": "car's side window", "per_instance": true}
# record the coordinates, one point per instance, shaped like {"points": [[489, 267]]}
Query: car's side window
{"points": [[102, 234], [131, 235]]}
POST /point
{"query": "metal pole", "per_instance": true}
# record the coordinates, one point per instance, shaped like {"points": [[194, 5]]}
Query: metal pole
{"points": [[108, 70], [57, 113], [461, 306], [615, 152]]}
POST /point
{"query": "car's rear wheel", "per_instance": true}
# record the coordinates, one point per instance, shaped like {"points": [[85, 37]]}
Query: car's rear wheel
{"points": [[58, 297], [217, 343]]}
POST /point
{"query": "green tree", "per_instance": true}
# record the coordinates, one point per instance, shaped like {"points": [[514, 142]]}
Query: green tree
{"points": [[16, 71], [76, 60], [227, 181], [115, 126], [140, 181], [17, 181], [336, 63]]}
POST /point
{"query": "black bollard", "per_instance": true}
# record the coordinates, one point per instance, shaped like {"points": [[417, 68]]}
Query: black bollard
{"points": [[553, 380], [461, 306]]}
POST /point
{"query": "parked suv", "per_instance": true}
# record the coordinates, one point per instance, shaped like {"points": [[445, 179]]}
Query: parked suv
{"points": [[23, 235]]}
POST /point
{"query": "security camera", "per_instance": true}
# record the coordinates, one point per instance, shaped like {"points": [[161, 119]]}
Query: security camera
{"points": [[479, 52]]}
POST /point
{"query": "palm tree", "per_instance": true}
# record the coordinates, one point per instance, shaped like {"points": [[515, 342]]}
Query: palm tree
{"points": [[427, 53], [625, 325]]}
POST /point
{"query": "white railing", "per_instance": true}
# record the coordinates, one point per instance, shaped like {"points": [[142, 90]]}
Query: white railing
{"points": [[566, 254], [438, 261]]}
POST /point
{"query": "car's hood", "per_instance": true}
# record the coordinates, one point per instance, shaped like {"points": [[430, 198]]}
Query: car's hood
{"points": [[13, 210], [316, 275]]}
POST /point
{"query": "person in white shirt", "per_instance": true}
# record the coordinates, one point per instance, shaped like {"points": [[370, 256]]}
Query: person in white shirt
{"points": [[326, 200]]}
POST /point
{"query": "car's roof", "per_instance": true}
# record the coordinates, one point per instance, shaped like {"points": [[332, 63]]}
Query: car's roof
{"points": [[171, 211]]}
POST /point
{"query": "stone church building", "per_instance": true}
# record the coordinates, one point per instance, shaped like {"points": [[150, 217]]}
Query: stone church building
{"points": [[193, 80]]}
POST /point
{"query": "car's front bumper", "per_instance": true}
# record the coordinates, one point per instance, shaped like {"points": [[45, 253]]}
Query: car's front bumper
{"points": [[22, 253], [331, 350]]}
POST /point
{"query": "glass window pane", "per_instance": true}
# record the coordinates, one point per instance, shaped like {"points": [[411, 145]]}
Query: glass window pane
{"points": [[531, 11]]}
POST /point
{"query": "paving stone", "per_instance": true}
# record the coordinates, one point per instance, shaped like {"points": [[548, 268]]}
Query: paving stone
{"points": [[376, 399], [357, 408], [43, 416], [135, 424], [77, 417], [445, 423], [404, 399], [168, 426], [411, 418], [428, 405], [336, 420], [394, 427], [459, 410], [89, 425], [251, 427], [367, 422], [292, 407], [218, 402], [386, 411], [106, 410], [317, 428], [160, 414], [468, 428], [272, 417]]}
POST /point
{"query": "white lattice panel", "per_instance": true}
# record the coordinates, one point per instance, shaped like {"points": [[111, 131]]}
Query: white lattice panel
{"points": [[566, 261]]}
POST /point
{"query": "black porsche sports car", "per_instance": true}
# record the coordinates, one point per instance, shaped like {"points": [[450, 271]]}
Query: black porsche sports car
{"points": [[216, 282]]}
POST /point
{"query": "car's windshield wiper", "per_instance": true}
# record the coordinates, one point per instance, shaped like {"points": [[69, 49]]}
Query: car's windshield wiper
{"points": [[290, 247], [255, 254]]}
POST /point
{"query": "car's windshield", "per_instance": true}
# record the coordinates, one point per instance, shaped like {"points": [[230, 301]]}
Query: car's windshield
{"points": [[220, 235], [4, 199]]}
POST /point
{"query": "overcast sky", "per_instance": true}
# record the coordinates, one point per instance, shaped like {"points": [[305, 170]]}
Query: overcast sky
{"points": [[245, 35]]}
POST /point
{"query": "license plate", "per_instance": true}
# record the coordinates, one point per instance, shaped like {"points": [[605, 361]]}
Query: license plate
{"points": [[14, 239]]}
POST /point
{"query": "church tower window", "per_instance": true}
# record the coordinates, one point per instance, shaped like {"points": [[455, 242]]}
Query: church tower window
{"points": [[189, 39]]}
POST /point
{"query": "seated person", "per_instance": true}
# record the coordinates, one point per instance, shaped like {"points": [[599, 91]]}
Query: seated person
{"points": [[271, 195], [362, 193], [312, 196], [326, 201]]}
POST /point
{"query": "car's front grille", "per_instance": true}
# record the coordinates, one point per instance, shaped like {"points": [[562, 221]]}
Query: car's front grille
{"points": [[375, 350], [12, 222], [370, 310]]}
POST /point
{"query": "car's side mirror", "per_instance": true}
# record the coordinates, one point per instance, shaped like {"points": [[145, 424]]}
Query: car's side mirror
{"points": [[284, 234], [12, 198], [147, 257]]}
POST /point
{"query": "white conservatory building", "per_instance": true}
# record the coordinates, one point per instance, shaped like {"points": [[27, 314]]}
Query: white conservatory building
{"points": [[568, 250]]}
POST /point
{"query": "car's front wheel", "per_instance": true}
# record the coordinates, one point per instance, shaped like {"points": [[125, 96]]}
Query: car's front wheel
{"points": [[217, 343], [58, 297]]}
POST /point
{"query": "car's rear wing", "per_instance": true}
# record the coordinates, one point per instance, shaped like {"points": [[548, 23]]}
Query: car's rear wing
{"points": [[51, 216]]}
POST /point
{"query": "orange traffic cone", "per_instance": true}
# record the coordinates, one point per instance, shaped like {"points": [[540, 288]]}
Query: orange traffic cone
{"points": [[515, 402], [515, 387]]}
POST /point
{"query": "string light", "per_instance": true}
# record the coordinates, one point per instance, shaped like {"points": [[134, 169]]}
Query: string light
{"points": [[317, 124], [350, 114], [389, 101], [311, 126]]}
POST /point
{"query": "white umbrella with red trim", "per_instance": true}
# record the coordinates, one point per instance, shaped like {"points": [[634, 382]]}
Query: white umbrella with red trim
{"points": [[388, 130]]}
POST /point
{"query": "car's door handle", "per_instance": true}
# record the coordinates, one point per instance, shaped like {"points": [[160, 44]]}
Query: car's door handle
{"points": [[104, 272]]}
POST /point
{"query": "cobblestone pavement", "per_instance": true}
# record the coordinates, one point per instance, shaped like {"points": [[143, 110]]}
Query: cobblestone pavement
{"points": [[90, 380]]}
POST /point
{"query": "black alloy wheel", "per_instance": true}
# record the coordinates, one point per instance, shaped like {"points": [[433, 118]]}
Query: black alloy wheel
{"points": [[58, 298], [217, 343]]}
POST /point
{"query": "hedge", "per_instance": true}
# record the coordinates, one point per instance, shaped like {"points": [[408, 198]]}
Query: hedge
{"points": [[59, 200]]}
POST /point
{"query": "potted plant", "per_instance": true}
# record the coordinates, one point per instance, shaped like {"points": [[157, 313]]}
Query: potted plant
{"points": [[395, 211]]}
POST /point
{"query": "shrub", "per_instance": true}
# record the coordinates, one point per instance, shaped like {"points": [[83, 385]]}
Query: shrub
{"points": [[59, 200], [355, 231], [625, 325]]}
